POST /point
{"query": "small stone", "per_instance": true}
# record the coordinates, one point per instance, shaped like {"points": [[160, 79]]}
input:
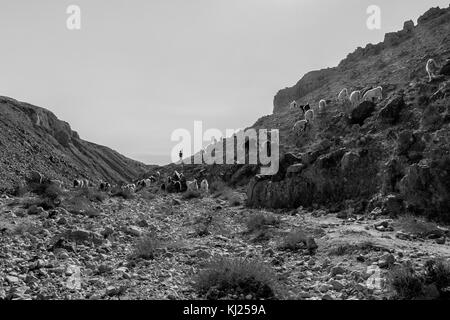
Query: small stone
{"points": [[440, 240], [336, 285], [133, 231], [12, 279], [337, 270]]}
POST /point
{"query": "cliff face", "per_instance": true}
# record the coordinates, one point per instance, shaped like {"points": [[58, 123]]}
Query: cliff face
{"points": [[396, 60], [393, 154], [33, 138]]}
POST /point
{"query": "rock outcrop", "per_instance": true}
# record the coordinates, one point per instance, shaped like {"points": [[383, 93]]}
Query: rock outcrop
{"points": [[34, 139]]}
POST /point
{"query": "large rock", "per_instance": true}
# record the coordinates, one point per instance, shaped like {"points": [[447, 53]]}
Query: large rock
{"points": [[390, 113], [362, 112], [426, 188], [323, 182], [445, 70]]}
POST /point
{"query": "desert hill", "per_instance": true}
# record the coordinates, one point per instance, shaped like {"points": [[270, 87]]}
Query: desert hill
{"points": [[34, 139]]}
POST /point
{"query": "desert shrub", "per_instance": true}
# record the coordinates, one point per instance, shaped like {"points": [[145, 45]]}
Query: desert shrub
{"points": [[46, 189], [191, 194], [80, 205], [147, 247], [234, 200], [438, 274], [217, 186], [92, 194], [123, 193], [415, 226], [406, 283], [20, 190], [342, 249], [294, 240], [432, 283], [26, 227], [261, 221], [347, 248], [236, 276], [148, 195]]}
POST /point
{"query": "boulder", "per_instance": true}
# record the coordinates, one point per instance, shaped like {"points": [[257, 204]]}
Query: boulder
{"points": [[390, 113], [445, 69], [362, 112], [426, 188]]}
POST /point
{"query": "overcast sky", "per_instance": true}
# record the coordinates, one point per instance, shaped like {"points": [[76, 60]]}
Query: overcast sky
{"points": [[138, 70]]}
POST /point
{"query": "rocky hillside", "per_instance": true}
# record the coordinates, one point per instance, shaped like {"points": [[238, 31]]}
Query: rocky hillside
{"points": [[33, 138], [393, 155]]}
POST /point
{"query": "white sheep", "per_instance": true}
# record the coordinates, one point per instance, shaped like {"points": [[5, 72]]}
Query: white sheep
{"points": [[293, 105], [300, 126], [322, 105], [373, 93], [192, 185], [309, 115], [431, 64], [355, 97], [204, 186], [343, 95]]}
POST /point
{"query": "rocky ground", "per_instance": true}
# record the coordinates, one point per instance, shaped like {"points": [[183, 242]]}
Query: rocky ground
{"points": [[56, 254]]}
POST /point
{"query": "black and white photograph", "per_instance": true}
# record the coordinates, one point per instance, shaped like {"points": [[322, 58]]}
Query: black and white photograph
{"points": [[224, 157]]}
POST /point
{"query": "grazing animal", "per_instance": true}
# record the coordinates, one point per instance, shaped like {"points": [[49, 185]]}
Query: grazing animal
{"points": [[183, 183], [105, 186], [373, 93], [300, 126], [59, 183], [192, 185], [322, 105], [430, 68], [177, 185], [355, 98], [129, 187], [293, 105], [343, 95], [204, 186], [78, 183], [309, 115], [305, 108]]}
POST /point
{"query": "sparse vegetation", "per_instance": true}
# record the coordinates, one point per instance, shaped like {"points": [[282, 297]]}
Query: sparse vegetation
{"points": [[123, 193], [191, 194], [261, 221], [92, 194], [432, 283], [226, 277], [147, 247], [417, 226], [294, 240]]}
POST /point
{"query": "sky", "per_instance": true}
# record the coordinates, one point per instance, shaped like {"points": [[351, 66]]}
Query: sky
{"points": [[139, 69]]}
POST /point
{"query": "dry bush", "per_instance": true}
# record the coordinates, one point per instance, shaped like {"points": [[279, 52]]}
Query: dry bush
{"points": [[26, 227], [432, 283], [80, 205], [191, 194], [294, 240], [418, 227], [236, 276], [92, 194], [147, 247], [261, 221], [123, 193]]}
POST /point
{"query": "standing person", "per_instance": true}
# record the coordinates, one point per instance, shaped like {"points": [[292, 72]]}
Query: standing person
{"points": [[181, 156]]}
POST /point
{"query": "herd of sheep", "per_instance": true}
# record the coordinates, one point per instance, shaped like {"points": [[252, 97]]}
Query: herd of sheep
{"points": [[355, 98], [173, 183]]}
